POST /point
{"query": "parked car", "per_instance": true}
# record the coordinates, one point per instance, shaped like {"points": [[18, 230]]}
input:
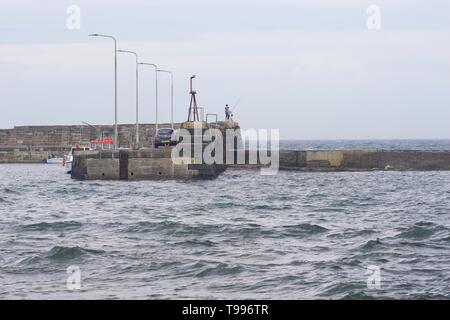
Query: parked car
{"points": [[164, 137]]}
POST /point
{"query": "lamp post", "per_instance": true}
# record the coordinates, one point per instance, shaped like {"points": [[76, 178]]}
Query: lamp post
{"points": [[171, 93], [156, 86], [137, 93], [116, 134]]}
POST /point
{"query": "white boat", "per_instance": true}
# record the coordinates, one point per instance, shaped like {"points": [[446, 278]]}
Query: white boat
{"points": [[54, 160], [68, 158]]}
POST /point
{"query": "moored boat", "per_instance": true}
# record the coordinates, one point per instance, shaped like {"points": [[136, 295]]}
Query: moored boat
{"points": [[68, 158], [52, 159]]}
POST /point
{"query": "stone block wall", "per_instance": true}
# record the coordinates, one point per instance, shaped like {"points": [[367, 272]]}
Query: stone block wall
{"points": [[67, 136], [359, 160], [33, 144]]}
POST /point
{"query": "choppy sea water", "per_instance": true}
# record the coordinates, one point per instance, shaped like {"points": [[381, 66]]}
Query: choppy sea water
{"points": [[241, 236]]}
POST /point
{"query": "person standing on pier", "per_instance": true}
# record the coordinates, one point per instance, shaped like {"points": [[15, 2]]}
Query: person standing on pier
{"points": [[227, 112]]}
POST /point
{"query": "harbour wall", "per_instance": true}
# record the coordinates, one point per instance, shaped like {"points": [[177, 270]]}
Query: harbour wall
{"points": [[148, 164], [364, 160], [32, 144], [142, 164]]}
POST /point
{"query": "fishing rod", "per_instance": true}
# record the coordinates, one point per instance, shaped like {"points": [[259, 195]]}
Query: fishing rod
{"points": [[236, 104]]}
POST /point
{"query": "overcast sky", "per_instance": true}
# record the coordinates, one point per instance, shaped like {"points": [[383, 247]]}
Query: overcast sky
{"points": [[310, 68]]}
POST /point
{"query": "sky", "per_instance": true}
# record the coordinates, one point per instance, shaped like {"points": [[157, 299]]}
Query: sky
{"points": [[312, 69]]}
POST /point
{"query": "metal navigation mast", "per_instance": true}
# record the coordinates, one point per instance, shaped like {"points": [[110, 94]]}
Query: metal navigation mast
{"points": [[193, 109]]}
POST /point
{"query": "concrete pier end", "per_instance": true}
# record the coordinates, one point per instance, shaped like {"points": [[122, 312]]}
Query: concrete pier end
{"points": [[364, 160]]}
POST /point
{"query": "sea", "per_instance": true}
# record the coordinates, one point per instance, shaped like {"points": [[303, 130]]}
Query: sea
{"points": [[294, 235]]}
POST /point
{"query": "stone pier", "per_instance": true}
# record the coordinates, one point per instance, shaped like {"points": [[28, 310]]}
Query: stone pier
{"points": [[157, 163], [143, 164], [32, 144], [365, 160]]}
